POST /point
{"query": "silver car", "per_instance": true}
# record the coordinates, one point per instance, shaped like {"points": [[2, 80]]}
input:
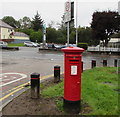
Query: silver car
{"points": [[3, 44], [30, 44]]}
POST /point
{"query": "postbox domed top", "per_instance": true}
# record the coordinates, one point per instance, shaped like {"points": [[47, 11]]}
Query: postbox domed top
{"points": [[72, 49]]}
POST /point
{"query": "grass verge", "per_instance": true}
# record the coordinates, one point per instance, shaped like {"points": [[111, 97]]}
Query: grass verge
{"points": [[99, 90], [15, 44]]}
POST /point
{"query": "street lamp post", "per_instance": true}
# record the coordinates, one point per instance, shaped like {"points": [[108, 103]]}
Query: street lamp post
{"points": [[44, 35]]}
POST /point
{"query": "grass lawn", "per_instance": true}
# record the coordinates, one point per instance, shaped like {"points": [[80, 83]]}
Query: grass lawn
{"points": [[15, 44], [99, 90]]}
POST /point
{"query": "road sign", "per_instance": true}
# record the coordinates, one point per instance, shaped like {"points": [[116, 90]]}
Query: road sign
{"points": [[71, 23], [67, 14]]}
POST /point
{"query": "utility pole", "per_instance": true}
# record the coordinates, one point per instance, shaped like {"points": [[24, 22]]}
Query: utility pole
{"points": [[68, 33], [119, 7], [76, 25]]}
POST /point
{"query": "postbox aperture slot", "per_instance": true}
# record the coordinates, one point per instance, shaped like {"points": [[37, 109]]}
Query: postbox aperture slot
{"points": [[74, 60]]}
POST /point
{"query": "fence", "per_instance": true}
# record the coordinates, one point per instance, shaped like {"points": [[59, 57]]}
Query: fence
{"points": [[106, 49]]}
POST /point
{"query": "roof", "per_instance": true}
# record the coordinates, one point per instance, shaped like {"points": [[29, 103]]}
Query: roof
{"points": [[3, 24], [20, 34], [114, 40]]}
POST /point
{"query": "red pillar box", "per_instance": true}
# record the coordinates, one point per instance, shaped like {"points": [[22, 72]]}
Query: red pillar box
{"points": [[72, 78]]}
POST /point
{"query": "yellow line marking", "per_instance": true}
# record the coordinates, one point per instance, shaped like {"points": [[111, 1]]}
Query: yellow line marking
{"points": [[21, 87], [47, 76], [16, 87], [42, 78], [11, 94]]}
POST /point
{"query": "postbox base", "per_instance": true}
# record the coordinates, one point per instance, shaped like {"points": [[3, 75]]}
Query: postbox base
{"points": [[72, 107]]}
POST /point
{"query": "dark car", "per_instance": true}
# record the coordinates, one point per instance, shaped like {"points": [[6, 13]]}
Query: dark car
{"points": [[51, 46]]}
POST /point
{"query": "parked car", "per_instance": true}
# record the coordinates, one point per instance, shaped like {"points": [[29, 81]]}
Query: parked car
{"points": [[37, 44], [3, 44], [57, 46], [70, 45], [41, 44], [51, 46], [30, 44]]}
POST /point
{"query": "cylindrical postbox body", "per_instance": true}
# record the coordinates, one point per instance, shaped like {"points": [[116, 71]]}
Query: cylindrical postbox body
{"points": [[72, 74]]}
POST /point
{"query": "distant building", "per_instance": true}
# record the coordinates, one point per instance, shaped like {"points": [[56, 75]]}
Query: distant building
{"points": [[5, 31], [114, 43], [19, 37], [8, 34]]}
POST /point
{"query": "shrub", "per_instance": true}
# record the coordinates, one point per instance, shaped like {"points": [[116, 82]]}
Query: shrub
{"points": [[36, 36], [83, 45]]}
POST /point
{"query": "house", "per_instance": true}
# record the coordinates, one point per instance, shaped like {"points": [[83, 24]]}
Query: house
{"points": [[5, 31], [19, 37], [8, 34], [114, 43]]}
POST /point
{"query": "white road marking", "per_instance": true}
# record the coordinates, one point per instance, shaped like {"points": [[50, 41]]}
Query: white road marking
{"points": [[22, 77], [4, 80]]}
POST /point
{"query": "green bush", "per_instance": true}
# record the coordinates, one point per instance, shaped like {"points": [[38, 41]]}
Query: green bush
{"points": [[36, 36], [83, 45]]}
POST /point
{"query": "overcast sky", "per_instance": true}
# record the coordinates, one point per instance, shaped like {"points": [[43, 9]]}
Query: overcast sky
{"points": [[52, 10]]}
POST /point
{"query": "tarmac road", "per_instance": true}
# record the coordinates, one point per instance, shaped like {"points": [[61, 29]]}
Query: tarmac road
{"points": [[17, 67]]}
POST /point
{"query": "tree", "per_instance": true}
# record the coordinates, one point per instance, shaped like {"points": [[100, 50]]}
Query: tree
{"points": [[116, 35], [72, 37], [51, 24], [37, 22], [51, 35], [11, 21], [25, 23], [85, 36], [36, 36], [26, 31], [104, 24], [61, 38]]}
